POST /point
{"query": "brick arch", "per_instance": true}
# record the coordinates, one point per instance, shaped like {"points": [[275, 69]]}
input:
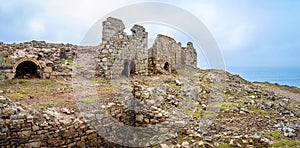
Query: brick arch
{"points": [[23, 60]]}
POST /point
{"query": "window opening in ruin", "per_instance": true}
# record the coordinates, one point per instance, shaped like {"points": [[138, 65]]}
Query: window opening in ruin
{"points": [[125, 71], [167, 67], [26, 69]]}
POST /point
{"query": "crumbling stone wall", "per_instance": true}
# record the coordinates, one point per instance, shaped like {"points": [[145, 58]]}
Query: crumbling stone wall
{"points": [[24, 127], [118, 54], [52, 60], [165, 54], [189, 55], [122, 54]]}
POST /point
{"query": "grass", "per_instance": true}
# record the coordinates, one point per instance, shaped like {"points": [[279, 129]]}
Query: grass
{"points": [[242, 100], [68, 61], [222, 106], [224, 146], [226, 106], [18, 96], [187, 99], [23, 89], [263, 112], [286, 143], [209, 114], [273, 135], [53, 103], [197, 115], [89, 99], [109, 87]]}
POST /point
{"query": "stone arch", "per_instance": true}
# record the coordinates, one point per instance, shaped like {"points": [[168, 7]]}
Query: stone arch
{"points": [[32, 63]]}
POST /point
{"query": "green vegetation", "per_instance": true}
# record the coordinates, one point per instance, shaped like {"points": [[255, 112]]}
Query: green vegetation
{"points": [[53, 103], [90, 99], [209, 114], [67, 61], [224, 146], [109, 87], [273, 135], [242, 100], [24, 89], [286, 143], [197, 115], [226, 106], [17, 96], [263, 112]]}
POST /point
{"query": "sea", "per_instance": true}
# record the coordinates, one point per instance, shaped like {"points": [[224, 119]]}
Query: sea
{"points": [[283, 75]]}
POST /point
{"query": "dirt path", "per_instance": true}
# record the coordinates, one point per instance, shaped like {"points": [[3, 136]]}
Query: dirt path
{"points": [[277, 91]]}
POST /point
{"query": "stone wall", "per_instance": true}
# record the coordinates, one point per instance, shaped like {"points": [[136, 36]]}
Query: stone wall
{"points": [[165, 54], [52, 60], [120, 53], [24, 127], [168, 55], [189, 55]]}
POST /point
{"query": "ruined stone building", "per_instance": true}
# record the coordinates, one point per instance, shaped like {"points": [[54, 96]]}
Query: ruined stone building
{"points": [[118, 54], [122, 54]]}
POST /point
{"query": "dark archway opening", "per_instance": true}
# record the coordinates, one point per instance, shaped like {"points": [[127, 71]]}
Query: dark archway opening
{"points": [[27, 70], [167, 67], [125, 71], [132, 68]]}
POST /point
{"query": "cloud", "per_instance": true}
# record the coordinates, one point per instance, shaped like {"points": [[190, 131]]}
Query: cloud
{"points": [[36, 25]]}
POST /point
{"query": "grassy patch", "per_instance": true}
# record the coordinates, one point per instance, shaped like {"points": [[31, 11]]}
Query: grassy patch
{"points": [[286, 143], [53, 103], [263, 112], [273, 135], [226, 106], [67, 61], [18, 96], [187, 99], [209, 114], [242, 100], [188, 111], [197, 115], [109, 87], [222, 106], [90, 99], [224, 146]]}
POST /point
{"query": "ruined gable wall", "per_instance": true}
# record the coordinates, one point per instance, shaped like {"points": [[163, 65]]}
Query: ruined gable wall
{"points": [[164, 49], [189, 55]]}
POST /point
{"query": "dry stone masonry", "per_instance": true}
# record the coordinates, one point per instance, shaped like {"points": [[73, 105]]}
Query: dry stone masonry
{"points": [[36, 59], [118, 54]]}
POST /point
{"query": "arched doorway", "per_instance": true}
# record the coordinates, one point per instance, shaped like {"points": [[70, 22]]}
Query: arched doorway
{"points": [[126, 70], [167, 67], [26, 68]]}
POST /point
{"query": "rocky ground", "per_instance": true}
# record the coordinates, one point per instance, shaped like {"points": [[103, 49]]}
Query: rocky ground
{"points": [[218, 109]]}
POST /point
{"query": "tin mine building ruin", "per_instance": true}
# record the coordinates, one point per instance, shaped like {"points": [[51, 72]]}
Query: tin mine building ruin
{"points": [[118, 54], [122, 54]]}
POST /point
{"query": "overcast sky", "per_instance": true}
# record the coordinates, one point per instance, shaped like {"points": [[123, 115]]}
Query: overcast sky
{"points": [[248, 32]]}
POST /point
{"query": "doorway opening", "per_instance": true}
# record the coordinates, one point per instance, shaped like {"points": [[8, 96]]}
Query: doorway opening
{"points": [[27, 70]]}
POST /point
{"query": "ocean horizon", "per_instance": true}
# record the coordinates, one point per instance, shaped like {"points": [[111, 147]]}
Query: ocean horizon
{"points": [[281, 75]]}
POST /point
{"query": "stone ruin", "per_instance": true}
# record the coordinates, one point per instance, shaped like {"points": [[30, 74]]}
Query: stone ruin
{"points": [[118, 54]]}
